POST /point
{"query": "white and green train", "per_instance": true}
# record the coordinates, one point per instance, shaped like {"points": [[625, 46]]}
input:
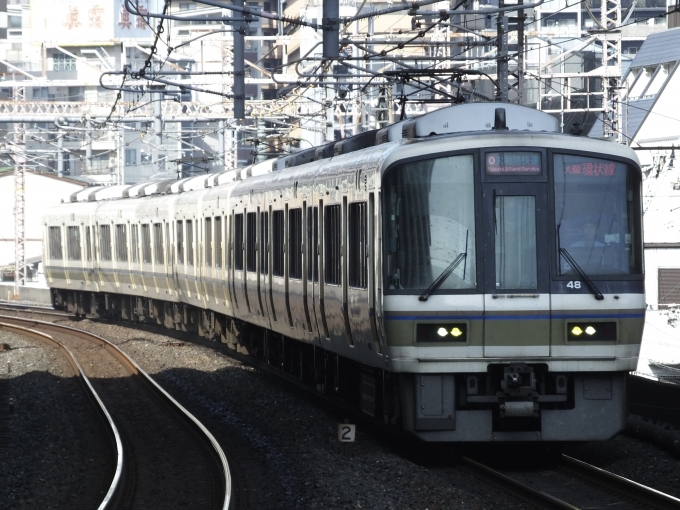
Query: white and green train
{"points": [[467, 275]]}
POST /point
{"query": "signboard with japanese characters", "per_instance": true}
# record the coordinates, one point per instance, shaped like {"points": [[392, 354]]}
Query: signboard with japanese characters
{"points": [[83, 21]]}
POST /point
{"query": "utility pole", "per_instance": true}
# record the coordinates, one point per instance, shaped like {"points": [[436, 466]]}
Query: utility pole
{"points": [[611, 69], [20, 203], [510, 78]]}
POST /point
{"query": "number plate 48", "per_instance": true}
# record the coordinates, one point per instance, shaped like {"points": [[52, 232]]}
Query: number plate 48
{"points": [[574, 284]]}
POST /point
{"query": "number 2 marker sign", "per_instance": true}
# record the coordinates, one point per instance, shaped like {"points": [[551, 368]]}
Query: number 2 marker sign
{"points": [[346, 432]]}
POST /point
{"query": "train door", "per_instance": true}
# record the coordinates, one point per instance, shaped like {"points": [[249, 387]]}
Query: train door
{"points": [[359, 265], [312, 267], [264, 272], [517, 279]]}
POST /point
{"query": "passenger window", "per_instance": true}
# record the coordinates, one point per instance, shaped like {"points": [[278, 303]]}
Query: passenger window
{"points": [[73, 240], [121, 243], [55, 243], [312, 242], [218, 242], [134, 243], [264, 239], [158, 243], [295, 243], [105, 242], [190, 242], [208, 242], [277, 241], [238, 242], [180, 242], [358, 245], [332, 244], [146, 244], [251, 243], [88, 243]]}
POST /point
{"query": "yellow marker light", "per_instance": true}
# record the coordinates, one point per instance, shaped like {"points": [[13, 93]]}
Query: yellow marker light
{"points": [[456, 332], [442, 332], [576, 331], [590, 330]]}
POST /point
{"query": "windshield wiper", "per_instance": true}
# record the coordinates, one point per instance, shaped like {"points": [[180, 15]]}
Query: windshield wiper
{"points": [[582, 274], [440, 279]]}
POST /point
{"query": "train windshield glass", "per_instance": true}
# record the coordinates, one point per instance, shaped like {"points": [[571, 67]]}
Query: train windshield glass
{"points": [[596, 206], [429, 207]]}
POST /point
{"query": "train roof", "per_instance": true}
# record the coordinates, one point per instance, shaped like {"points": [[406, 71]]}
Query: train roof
{"points": [[457, 119]]}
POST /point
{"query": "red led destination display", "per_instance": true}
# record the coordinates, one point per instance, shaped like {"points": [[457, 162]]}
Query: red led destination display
{"points": [[585, 168], [513, 163]]}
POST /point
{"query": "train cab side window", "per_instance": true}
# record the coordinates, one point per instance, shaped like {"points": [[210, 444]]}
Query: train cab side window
{"points": [[218, 242], [264, 239], [208, 242], [295, 243], [73, 243], [358, 245], [55, 243], [180, 242], [277, 242], [121, 243], [88, 243], [332, 245], [190, 242], [158, 243], [146, 243], [105, 242], [134, 243], [238, 241], [251, 242]]}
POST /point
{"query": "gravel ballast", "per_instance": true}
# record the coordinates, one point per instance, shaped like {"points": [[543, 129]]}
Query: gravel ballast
{"points": [[292, 436]]}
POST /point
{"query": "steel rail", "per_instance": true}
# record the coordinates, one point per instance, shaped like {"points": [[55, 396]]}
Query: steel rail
{"points": [[621, 485], [78, 370], [137, 370]]}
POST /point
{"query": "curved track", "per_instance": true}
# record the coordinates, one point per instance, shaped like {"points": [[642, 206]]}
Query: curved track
{"points": [[166, 457]]}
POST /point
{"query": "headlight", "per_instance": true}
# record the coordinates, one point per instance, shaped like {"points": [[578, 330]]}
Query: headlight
{"points": [[592, 331], [441, 333]]}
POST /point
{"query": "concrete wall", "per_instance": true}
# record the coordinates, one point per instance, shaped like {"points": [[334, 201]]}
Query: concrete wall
{"points": [[39, 295], [41, 192]]}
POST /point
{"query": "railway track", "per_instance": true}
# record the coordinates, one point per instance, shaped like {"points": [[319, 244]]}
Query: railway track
{"points": [[571, 484], [565, 484], [165, 457]]}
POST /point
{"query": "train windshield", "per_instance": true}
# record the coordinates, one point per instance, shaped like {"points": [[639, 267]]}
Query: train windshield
{"points": [[596, 206], [430, 224]]}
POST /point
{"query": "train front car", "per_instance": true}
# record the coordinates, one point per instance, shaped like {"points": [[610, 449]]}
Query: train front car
{"points": [[512, 279]]}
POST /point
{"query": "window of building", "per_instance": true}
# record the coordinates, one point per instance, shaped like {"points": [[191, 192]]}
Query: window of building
{"points": [[277, 243], [63, 63], [238, 241], [105, 242], [146, 243], [73, 243], [130, 156], [295, 243], [669, 287], [208, 242], [190, 242], [218, 242], [121, 243], [358, 245], [159, 247], [313, 241], [264, 238], [251, 242], [332, 244]]}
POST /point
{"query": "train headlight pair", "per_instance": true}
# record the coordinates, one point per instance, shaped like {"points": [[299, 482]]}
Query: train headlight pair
{"points": [[456, 332], [583, 331]]}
